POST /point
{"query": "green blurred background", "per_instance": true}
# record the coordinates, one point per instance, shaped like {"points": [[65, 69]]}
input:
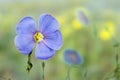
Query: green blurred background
{"points": [[94, 41]]}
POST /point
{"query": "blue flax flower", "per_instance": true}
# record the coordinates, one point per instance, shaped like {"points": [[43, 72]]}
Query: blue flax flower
{"points": [[83, 18], [47, 36], [72, 57]]}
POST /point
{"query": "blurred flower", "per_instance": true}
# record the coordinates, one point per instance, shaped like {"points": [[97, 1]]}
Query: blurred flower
{"points": [[48, 37], [77, 25], [107, 32], [81, 15], [110, 27], [61, 20], [104, 35], [72, 57]]}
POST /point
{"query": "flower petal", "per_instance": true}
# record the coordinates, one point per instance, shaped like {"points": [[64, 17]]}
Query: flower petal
{"points": [[26, 26], [43, 52], [53, 40], [83, 18], [47, 24], [24, 43]]}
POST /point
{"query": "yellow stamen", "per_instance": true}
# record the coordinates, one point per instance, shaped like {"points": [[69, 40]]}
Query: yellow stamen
{"points": [[38, 37]]}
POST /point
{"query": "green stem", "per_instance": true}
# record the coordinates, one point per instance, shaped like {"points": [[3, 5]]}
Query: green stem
{"points": [[95, 32], [117, 56], [29, 64], [68, 74], [43, 67], [117, 64], [85, 75]]}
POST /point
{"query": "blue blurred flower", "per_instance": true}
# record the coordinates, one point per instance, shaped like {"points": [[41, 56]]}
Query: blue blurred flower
{"points": [[72, 57], [48, 37], [82, 17]]}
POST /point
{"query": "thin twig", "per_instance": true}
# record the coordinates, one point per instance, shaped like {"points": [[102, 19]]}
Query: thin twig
{"points": [[43, 67]]}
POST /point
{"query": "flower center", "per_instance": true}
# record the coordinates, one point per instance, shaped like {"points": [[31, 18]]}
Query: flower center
{"points": [[38, 37], [72, 57]]}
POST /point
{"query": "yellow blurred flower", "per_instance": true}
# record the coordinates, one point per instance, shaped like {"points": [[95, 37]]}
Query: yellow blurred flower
{"points": [[104, 35], [108, 31], [60, 20], [110, 27], [77, 25]]}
